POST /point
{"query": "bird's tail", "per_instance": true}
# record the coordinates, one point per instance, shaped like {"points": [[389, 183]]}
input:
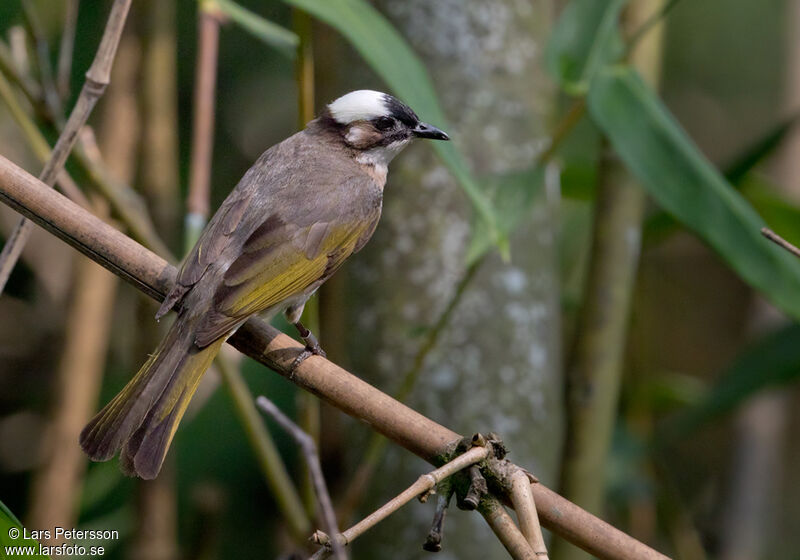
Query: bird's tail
{"points": [[143, 417]]}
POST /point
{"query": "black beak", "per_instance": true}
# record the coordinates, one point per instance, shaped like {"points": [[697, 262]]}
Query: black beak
{"points": [[424, 130]]}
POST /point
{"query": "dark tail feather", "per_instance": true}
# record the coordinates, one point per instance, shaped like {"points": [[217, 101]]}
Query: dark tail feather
{"points": [[143, 417]]}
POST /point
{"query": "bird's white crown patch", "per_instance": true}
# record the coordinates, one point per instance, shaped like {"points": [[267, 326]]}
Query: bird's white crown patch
{"points": [[361, 105]]}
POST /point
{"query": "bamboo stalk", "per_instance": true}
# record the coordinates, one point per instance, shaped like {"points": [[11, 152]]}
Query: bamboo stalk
{"points": [[154, 276], [97, 78], [65, 49], [197, 203], [596, 370]]}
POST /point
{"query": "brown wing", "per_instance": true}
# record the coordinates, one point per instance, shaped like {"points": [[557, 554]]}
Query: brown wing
{"points": [[279, 260], [214, 239]]}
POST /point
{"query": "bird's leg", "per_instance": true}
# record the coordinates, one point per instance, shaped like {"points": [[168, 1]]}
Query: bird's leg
{"points": [[312, 345]]}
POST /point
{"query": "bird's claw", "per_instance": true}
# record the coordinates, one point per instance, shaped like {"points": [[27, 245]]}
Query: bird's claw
{"points": [[312, 349]]}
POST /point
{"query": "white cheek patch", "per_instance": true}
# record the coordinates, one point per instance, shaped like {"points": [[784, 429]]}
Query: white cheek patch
{"points": [[356, 135], [361, 105]]}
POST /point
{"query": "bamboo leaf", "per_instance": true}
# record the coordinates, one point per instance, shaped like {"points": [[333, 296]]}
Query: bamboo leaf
{"points": [[675, 173], [779, 212], [12, 535], [514, 195], [391, 57], [760, 149], [272, 34], [660, 225], [773, 361], [585, 38]]}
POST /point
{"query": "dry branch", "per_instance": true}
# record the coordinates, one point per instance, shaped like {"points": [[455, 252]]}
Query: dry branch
{"points": [[97, 78], [424, 485], [262, 342], [503, 526], [524, 505], [780, 241]]}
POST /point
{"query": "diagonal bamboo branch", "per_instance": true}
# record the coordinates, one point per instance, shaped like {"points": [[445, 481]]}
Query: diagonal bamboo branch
{"points": [[262, 342], [97, 78]]}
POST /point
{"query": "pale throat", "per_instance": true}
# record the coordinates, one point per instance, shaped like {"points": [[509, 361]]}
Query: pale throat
{"points": [[376, 160]]}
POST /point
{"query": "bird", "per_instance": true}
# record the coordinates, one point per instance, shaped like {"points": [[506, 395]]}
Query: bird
{"points": [[305, 206]]}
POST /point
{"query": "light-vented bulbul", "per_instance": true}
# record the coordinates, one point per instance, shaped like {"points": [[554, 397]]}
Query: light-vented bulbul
{"points": [[306, 205]]}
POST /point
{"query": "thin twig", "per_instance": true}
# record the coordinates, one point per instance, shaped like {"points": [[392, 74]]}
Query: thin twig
{"points": [[97, 78], [26, 84], [424, 485], [65, 50], [418, 434], [433, 542], [309, 448], [651, 22], [503, 527], [524, 505], [780, 241], [42, 48], [37, 142]]}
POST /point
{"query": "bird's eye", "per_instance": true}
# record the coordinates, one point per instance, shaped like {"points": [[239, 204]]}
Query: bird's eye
{"points": [[384, 123]]}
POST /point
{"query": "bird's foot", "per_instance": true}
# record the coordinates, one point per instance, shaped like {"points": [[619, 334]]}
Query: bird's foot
{"points": [[312, 348]]}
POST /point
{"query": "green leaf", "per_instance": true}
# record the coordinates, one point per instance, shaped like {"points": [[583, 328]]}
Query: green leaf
{"points": [[659, 225], [272, 34], [760, 149], [9, 527], [676, 174], [391, 57], [513, 200], [772, 361], [585, 38]]}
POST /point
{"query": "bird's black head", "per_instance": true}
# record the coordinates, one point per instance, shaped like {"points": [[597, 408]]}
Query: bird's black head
{"points": [[379, 123]]}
